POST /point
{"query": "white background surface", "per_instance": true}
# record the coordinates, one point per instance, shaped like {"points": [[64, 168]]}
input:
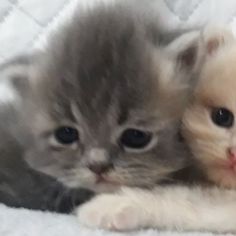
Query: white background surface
{"points": [[32, 223], [24, 24]]}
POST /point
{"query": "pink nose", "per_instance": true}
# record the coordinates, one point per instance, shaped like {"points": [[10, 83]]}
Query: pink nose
{"points": [[232, 155]]}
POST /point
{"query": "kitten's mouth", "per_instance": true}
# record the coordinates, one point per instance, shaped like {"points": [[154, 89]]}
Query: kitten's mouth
{"points": [[226, 165]]}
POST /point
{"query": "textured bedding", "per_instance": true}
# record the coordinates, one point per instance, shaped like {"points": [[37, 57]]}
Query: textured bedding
{"points": [[25, 24], [23, 222]]}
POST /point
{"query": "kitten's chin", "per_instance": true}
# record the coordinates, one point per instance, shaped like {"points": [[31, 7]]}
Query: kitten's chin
{"points": [[102, 187], [105, 188], [99, 187]]}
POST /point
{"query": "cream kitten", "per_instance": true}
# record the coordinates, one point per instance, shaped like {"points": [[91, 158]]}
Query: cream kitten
{"points": [[209, 129], [209, 122]]}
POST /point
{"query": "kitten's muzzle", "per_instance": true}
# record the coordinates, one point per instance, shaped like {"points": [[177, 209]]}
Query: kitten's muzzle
{"points": [[98, 161], [100, 168]]}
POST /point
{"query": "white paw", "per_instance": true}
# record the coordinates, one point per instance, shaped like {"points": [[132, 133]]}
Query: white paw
{"points": [[113, 212]]}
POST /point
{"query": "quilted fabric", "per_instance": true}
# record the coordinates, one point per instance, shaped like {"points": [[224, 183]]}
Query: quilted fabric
{"points": [[25, 24], [21, 222]]}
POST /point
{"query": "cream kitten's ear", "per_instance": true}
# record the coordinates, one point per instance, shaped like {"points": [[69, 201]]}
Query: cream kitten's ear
{"points": [[185, 50], [214, 38]]}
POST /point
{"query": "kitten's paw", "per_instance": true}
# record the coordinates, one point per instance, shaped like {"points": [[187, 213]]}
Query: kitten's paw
{"points": [[113, 212]]}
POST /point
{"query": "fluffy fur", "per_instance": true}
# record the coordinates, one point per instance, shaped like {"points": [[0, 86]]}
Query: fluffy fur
{"points": [[210, 143], [20, 186], [170, 208], [100, 79], [103, 79]]}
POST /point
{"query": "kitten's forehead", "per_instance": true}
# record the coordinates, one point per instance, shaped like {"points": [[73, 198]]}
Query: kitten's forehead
{"points": [[217, 85], [105, 68]]}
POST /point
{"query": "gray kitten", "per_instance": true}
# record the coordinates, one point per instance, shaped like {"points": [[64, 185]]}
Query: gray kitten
{"points": [[20, 186], [107, 95]]}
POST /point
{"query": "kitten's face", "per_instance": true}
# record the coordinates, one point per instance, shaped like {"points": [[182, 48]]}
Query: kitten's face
{"points": [[106, 103], [209, 123]]}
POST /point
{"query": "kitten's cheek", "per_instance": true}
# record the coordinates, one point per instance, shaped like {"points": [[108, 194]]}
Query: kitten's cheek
{"points": [[112, 212], [222, 177]]}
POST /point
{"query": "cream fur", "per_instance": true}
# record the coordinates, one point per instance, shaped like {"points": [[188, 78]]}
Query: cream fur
{"points": [[172, 208], [216, 88]]}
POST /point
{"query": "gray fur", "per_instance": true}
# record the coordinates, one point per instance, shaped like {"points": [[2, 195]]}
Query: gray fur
{"points": [[107, 70], [21, 186]]}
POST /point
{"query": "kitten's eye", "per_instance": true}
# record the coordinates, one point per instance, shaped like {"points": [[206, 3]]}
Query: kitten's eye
{"points": [[222, 117], [136, 139], [66, 135]]}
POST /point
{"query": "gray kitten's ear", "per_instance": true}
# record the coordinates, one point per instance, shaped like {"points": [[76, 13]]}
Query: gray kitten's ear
{"points": [[15, 73], [214, 38], [185, 50]]}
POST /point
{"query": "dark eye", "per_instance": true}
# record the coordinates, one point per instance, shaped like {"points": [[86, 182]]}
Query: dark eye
{"points": [[133, 138], [222, 117], [66, 135]]}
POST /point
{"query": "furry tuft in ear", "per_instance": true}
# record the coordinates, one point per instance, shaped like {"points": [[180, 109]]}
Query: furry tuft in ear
{"points": [[213, 38], [188, 57], [16, 72], [185, 50]]}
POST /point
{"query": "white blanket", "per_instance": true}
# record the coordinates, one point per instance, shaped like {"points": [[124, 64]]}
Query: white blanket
{"points": [[25, 24], [23, 222]]}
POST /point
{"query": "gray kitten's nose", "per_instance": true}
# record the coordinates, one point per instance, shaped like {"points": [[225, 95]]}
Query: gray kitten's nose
{"points": [[100, 168], [98, 160]]}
